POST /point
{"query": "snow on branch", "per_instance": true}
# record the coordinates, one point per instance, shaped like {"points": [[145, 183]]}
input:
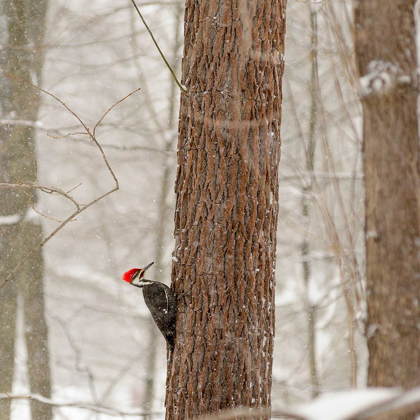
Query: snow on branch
{"points": [[9, 220], [382, 77], [35, 124], [369, 403]]}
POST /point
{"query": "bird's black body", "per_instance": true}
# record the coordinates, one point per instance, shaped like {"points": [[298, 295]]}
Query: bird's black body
{"points": [[159, 299], [162, 305]]}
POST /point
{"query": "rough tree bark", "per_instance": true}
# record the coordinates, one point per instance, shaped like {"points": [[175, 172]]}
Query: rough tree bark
{"points": [[387, 60], [25, 27], [227, 206]]}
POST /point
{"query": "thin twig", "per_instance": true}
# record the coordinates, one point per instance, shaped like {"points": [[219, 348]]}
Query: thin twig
{"points": [[15, 397], [112, 107], [44, 215], [47, 190], [121, 148], [67, 135], [72, 189], [80, 367], [160, 51], [33, 204]]}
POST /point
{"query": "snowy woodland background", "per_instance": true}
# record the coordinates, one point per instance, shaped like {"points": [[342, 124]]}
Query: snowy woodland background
{"points": [[105, 349]]}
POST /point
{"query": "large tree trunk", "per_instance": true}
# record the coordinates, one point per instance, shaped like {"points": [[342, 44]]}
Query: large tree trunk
{"points": [[386, 53], [25, 26], [227, 206]]}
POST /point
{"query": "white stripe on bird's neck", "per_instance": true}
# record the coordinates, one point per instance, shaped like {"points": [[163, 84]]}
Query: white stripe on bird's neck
{"points": [[141, 282]]}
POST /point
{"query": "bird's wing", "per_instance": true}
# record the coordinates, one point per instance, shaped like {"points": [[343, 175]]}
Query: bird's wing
{"points": [[159, 299]]}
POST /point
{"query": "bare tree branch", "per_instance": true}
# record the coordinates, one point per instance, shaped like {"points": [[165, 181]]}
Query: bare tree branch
{"points": [[80, 207], [183, 89], [82, 405]]}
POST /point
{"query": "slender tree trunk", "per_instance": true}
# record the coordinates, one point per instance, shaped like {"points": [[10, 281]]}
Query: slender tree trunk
{"points": [[227, 206], [306, 205], [387, 60], [8, 305], [153, 331], [25, 25]]}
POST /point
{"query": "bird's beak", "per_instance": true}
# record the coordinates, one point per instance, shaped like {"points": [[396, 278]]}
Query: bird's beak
{"points": [[148, 266]]}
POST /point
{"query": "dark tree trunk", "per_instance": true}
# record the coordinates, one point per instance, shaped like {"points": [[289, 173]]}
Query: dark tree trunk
{"points": [[227, 206], [20, 102], [385, 43]]}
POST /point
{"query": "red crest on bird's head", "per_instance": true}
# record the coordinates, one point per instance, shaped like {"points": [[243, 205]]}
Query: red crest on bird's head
{"points": [[128, 275], [137, 273]]}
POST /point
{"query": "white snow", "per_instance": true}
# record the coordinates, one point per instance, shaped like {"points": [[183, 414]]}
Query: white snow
{"points": [[32, 216], [9, 220], [345, 405], [372, 234], [382, 76], [37, 124]]}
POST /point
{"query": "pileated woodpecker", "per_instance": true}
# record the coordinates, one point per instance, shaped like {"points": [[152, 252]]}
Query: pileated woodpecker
{"points": [[159, 299]]}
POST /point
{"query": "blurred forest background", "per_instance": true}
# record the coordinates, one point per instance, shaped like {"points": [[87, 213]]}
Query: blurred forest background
{"points": [[104, 348]]}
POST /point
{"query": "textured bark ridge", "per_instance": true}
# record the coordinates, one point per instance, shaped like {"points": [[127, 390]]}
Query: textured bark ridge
{"points": [[227, 206], [386, 43]]}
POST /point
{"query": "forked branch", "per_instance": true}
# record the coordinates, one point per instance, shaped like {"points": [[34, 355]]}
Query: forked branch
{"points": [[51, 190]]}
